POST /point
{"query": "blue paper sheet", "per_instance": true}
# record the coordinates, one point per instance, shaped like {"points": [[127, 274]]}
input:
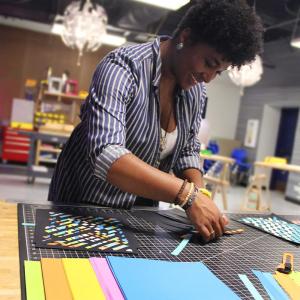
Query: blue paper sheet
{"points": [[163, 280]]}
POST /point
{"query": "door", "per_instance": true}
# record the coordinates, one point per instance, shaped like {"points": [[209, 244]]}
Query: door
{"points": [[284, 145]]}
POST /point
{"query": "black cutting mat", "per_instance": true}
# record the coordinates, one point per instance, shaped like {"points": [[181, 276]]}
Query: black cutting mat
{"points": [[228, 257]]}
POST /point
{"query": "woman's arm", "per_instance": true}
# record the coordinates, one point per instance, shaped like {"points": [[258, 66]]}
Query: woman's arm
{"points": [[132, 175]]}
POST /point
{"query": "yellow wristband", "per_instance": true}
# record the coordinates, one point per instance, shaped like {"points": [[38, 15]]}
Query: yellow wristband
{"points": [[205, 192]]}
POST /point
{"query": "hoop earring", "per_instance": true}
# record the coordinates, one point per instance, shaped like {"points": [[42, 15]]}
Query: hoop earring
{"points": [[179, 46]]}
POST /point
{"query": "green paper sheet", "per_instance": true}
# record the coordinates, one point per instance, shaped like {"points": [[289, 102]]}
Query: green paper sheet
{"points": [[34, 280]]}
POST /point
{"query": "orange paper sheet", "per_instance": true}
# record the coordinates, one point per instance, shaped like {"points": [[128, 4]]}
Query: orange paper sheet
{"points": [[290, 287], [82, 279], [55, 280]]}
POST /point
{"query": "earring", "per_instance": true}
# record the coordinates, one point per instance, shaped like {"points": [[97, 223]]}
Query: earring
{"points": [[179, 46]]}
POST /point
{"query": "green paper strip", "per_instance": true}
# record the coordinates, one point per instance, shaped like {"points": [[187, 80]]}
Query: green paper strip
{"points": [[34, 280]]}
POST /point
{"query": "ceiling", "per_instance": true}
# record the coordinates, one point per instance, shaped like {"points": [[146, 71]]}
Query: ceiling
{"points": [[140, 21]]}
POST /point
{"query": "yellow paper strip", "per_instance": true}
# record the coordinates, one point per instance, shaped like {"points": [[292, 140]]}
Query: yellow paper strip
{"points": [[34, 280], [291, 288], [82, 279], [55, 280]]}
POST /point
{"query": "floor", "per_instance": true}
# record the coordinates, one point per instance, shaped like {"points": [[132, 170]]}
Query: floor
{"points": [[14, 188]]}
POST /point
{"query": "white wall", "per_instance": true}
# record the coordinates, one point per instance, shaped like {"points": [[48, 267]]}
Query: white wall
{"points": [[223, 107], [268, 132]]}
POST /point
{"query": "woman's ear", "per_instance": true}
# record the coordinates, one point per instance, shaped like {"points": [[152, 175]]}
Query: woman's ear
{"points": [[184, 36]]}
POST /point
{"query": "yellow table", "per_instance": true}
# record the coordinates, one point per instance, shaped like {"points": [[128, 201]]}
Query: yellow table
{"points": [[263, 166], [9, 253], [223, 182]]}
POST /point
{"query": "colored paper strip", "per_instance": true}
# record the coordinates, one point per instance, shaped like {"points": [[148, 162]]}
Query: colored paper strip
{"points": [[292, 289], [251, 288], [281, 294], [55, 280], [34, 280], [181, 245], [28, 224], [106, 279], [272, 290], [82, 279]]}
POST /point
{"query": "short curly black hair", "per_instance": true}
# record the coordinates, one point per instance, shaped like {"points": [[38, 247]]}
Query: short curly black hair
{"points": [[231, 27]]}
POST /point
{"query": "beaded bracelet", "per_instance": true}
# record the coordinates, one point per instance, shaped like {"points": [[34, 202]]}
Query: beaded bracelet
{"points": [[191, 199], [177, 199], [188, 195]]}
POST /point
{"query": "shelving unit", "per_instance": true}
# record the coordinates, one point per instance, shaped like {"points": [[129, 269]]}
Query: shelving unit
{"points": [[67, 104], [39, 166], [42, 151]]}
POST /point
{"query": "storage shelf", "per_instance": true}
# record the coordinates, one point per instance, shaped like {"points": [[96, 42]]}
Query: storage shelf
{"points": [[48, 160], [64, 96], [45, 149]]}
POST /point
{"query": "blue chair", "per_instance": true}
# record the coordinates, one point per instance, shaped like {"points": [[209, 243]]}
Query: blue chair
{"points": [[241, 168]]}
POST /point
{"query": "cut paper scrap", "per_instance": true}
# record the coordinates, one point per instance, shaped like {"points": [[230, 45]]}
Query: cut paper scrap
{"points": [[55, 280], [295, 276], [82, 279], [106, 231], [164, 280], [34, 280], [251, 288], [106, 279], [274, 291], [182, 245], [291, 288]]}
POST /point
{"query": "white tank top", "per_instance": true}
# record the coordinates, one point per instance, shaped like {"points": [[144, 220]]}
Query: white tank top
{"points": [[171, 138]]}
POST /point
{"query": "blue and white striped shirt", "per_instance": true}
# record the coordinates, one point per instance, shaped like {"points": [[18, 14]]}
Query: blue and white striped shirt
{"points": [[121, 115]]}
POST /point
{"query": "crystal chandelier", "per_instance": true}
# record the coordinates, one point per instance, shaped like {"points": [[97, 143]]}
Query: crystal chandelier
{"points": [[248, 74], [83, 26]]}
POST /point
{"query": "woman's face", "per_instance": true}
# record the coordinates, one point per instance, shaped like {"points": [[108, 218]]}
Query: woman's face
{"points": [[196, 63]]}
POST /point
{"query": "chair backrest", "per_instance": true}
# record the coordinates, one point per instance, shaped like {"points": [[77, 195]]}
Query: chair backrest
{"points": [[239, 154]]}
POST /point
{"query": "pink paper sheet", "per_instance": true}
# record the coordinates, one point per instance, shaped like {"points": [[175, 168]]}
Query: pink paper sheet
{"points": [[106, 279]]}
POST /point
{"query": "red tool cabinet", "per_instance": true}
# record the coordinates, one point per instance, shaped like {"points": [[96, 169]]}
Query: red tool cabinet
{"points": [[15, 145]]}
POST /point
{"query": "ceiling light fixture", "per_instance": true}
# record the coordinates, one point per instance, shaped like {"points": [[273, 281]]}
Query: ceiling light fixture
{"points": [[248, 74], [295, 40], [168, 4], [84, 26], [107, 39]]}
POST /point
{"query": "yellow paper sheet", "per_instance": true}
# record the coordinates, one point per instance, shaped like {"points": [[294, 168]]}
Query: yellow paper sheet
{"points": [[82, 279], [55, 280], [290, 287], [296, 277]]}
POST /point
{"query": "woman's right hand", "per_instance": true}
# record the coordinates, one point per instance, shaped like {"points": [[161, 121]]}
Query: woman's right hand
{"points": [[206, 217]]}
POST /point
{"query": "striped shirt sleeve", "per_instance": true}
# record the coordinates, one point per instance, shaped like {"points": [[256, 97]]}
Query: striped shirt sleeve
{"points": [[189, 157], [112, 87]]}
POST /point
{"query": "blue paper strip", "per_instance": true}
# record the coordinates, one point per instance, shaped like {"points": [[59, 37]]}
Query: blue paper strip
{"points": [[271, 289], [28, 224], [182, 245], [251, 288], [275, 284]]}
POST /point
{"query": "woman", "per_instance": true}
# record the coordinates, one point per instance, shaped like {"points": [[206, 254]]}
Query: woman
{"points": [[143, 113]]}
